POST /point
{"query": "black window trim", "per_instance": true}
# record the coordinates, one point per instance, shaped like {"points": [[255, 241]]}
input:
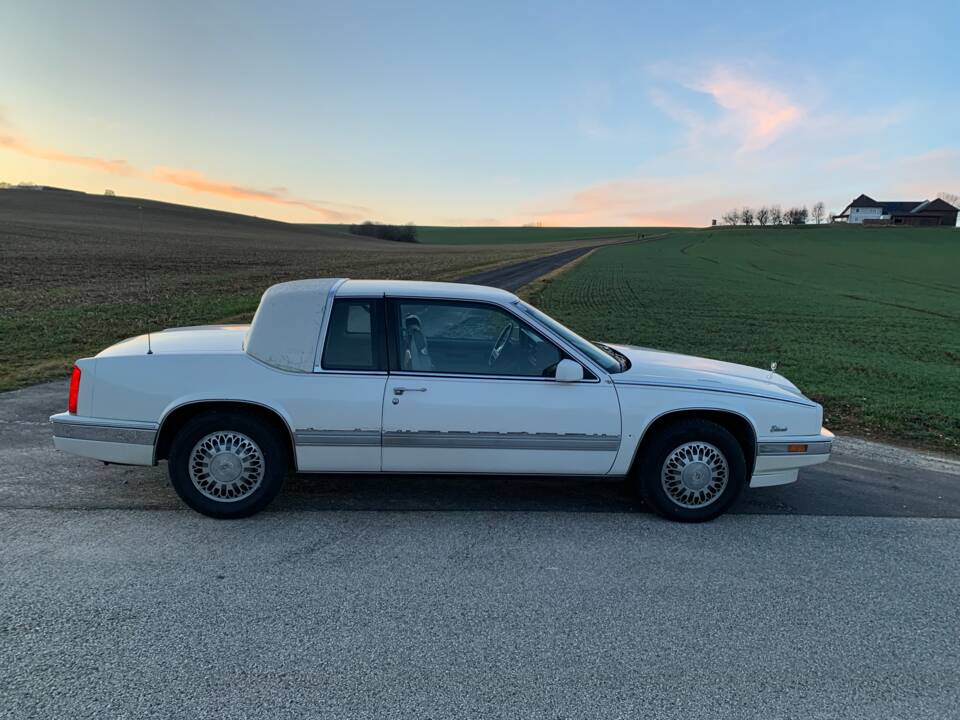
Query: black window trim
{"points": [[393, 323]]}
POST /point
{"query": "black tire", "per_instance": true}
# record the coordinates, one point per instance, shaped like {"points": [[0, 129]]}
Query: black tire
{"points": [[274, 464], [660, 447]]}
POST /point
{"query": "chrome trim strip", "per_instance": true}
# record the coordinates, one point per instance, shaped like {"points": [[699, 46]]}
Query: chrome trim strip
{"points": [[113, 432], [452, 439], [814, 447], [703, 388], [311, 437], [327, 312], [480, 376]]}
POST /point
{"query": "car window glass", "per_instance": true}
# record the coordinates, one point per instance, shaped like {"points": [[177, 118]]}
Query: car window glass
{"points": [[351, 342], [358, 318], [470, 338]]}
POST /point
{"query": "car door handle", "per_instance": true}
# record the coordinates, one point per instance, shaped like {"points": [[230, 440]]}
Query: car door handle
{"points": [[402, 390]]}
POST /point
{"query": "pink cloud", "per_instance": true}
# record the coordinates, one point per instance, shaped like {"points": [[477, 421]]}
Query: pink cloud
{"points": [[198, 182], [24, 147], [193, 180], [761, 113], [652, 201]]}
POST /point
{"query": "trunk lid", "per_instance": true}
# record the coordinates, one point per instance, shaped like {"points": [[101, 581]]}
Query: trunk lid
{"points": [[200, 339]]}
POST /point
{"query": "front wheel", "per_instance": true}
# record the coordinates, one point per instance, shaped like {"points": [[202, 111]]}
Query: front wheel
{"points": [[226, 464], [692, 471]]}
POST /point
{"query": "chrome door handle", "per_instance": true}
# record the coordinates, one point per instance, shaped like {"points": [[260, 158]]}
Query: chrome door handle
{"points": [[402, 390]]}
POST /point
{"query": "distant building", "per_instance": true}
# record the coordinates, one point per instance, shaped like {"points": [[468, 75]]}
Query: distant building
{"points": [[867, 211]]}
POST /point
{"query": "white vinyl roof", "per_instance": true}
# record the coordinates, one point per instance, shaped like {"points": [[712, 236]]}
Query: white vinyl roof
{"points": [[416, 288], [286, 329]]}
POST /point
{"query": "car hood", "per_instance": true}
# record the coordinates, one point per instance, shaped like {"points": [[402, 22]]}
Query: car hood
{"points": [[658, 367]]}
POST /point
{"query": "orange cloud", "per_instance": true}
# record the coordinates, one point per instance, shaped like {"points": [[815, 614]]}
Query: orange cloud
{"points": [[114, 167], [652, 201], [198, 182], [186, 178]]}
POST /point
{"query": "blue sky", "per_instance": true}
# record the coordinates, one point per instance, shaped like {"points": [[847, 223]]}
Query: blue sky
{"points": [[452, 113]]}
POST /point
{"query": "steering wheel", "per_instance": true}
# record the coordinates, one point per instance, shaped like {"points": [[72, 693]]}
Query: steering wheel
{"points": [[500, 344]]}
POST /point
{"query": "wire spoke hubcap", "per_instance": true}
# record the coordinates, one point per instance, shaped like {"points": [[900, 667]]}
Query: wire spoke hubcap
{"points": [[694, 474], [226, 466]]}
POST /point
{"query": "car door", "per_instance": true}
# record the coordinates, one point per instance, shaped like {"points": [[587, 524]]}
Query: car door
{"points": [[471, 391]]}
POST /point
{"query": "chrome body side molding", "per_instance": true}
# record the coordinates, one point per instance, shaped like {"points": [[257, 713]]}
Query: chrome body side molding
{"points": [[130, 432], [450, 440]]}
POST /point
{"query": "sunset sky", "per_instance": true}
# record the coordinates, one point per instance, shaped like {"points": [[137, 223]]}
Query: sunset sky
{"points": [[585, 113]]}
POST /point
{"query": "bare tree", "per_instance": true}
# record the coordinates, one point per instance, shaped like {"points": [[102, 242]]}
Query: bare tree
{"points": [[797, 215], [732, 217], [818, 212], [776, 215], [763, 215], [951, 198], [746, 216]]}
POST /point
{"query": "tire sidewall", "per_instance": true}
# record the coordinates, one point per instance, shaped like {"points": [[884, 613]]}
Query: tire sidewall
{"points": [[670, 439], [271, 446]]}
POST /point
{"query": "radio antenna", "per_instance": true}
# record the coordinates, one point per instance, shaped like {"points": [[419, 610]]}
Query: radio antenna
{"points": [[146, 296]]}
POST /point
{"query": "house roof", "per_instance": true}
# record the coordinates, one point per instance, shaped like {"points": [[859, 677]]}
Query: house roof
{"points": [[863, 201], [899, 207], [939, 205]]}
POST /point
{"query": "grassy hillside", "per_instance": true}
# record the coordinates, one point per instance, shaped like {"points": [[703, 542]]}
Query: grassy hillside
{"points": [[440, 235], [865, 320], [76, 274]]}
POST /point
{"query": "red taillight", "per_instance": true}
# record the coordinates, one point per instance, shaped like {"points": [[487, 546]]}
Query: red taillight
{"points": [[74, 390]]}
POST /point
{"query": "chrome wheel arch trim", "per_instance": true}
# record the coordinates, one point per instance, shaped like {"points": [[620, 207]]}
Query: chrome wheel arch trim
{"points": [[203, 401], [750, 459]]}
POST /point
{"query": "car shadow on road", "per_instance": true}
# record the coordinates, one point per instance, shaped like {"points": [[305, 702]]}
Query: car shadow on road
{"points": [[392, 493], [818, 492]]}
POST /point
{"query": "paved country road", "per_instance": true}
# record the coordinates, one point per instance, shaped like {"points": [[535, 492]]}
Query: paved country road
{"points": [[515, 276], [495, 597]]}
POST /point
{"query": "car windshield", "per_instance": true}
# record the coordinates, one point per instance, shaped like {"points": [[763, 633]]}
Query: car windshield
{"points": [[605, 357]]}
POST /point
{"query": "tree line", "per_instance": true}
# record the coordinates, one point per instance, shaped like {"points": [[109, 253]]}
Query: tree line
{"points": [[397, 233], [774, 215]]}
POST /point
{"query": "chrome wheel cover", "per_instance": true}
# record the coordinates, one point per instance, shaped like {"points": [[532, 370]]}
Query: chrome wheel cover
{"points": [[694, 475], [226, 466]]}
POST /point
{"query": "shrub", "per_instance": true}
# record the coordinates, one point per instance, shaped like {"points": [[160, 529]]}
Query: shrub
{"points": [[397, 233]]}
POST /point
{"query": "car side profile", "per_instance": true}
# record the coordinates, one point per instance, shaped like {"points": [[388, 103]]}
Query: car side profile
{"points": [[364, 376]]}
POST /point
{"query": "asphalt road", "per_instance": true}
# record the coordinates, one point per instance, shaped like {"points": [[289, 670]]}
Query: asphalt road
{"points": [[513, 277], [357, 597]]}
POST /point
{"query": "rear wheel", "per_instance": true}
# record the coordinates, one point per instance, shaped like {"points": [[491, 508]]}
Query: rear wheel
{"points": [[226, 464], [692, 471]]}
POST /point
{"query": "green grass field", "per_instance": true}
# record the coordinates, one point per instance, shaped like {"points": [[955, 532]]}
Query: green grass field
{"points": [[437, 235], [504, 235], [864, 320]]}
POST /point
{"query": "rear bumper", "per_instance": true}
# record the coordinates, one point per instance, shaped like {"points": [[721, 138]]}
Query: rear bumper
{"points": [[118, 441], [779, 462]]}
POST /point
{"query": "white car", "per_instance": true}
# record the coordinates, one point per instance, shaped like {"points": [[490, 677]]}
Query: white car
{"points": [[397, 377]]}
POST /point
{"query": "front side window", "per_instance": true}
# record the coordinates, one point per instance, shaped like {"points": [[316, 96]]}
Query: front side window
{"points": [[354, 336], [469, 338], [604, 358]]}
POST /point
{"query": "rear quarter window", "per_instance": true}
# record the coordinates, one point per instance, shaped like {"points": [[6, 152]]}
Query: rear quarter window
{"points": [[354, 339]]}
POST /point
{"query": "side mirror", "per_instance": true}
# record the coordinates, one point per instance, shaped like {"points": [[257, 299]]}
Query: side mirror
{"points": [[569, 371]]}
